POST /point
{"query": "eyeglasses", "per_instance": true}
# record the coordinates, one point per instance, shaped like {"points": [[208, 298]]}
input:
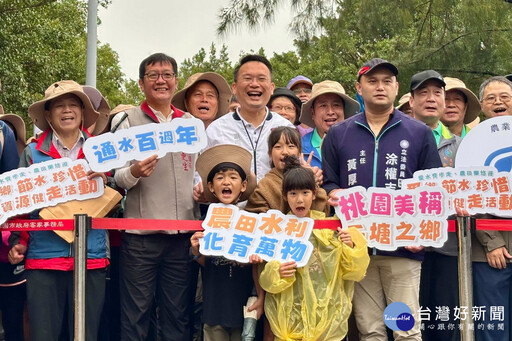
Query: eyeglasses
{"points": [[246, 79], [492, 98], [153, 76], [305, 90], [277, 108]]}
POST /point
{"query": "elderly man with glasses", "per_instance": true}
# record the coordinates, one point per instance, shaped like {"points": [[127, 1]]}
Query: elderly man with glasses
{"points": [[496, 96], [491, 255]]}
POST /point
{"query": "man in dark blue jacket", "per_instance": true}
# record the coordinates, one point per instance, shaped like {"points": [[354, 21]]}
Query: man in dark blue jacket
{"points": [[379, 148]]}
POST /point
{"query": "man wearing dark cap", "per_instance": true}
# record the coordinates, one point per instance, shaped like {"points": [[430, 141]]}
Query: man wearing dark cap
{"points": [[427, 95], [428, 104], [439, 280], [390, 147]]}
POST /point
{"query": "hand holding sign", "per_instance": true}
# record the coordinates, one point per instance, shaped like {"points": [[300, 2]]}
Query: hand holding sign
{"points": [[287, 269], [345, 237], [113, 150], [144, 168]]}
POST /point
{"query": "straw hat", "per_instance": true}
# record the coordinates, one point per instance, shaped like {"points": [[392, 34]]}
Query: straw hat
{"points": [[225, 153], [113, 112], [218, 82], [473, 108], [350, 106], [19, 125], [37, 109], [100, 104], [403, 100]]}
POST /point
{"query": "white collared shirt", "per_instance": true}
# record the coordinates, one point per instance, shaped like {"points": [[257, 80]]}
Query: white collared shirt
{"points": [[64, 151], [233, 129]]}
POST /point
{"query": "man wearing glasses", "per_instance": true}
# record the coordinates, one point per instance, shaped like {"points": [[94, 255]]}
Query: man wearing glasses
{"points": [[301, 87], [251, 123], [491, 256], [155, 264], [496, 96]]}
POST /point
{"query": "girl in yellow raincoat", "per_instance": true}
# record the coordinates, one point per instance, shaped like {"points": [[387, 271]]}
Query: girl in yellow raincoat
{"points": [[313, 302]]}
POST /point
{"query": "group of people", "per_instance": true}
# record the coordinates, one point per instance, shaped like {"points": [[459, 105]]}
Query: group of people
{"points": [[289, 149]]}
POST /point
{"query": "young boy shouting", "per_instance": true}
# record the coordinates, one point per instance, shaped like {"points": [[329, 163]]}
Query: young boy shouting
{"points": [[226, 174]]}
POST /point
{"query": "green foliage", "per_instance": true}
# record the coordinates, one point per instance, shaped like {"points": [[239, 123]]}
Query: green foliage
{"points": [[255, 13], [44, 41], [467, 39], [203, 62]]}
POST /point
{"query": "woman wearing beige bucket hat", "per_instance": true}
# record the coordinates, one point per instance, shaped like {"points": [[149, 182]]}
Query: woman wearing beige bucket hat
{"points": [[327, 106], [205, 95], [63, 115], [17, 126], [100, 104], [403, 104], [462, 107]]}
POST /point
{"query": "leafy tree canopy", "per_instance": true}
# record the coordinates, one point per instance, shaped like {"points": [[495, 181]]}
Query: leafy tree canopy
{"points": [[467, 39], [44, 41]]}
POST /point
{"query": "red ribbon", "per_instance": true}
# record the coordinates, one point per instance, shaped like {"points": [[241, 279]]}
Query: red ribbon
{"points": [[194, 225]]}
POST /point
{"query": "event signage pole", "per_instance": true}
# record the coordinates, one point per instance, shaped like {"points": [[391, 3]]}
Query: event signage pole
{"points": [[92, 39], [465, 275], [82, 223]]}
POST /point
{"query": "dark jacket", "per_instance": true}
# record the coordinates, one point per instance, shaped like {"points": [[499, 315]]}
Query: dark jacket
{"points": [[353, 156]]}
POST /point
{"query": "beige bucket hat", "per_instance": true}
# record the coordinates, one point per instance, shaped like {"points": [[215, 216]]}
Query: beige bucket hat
{"points": [[473, 108], [218, 82], [403, 100], [100, 104], [19, 125], [350, 106], [113, 112], [37, 109], [225, 153]]}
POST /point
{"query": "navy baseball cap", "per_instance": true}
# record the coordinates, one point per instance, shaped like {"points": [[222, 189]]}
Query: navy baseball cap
{"points": [[373, 63], [418, 79]]}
